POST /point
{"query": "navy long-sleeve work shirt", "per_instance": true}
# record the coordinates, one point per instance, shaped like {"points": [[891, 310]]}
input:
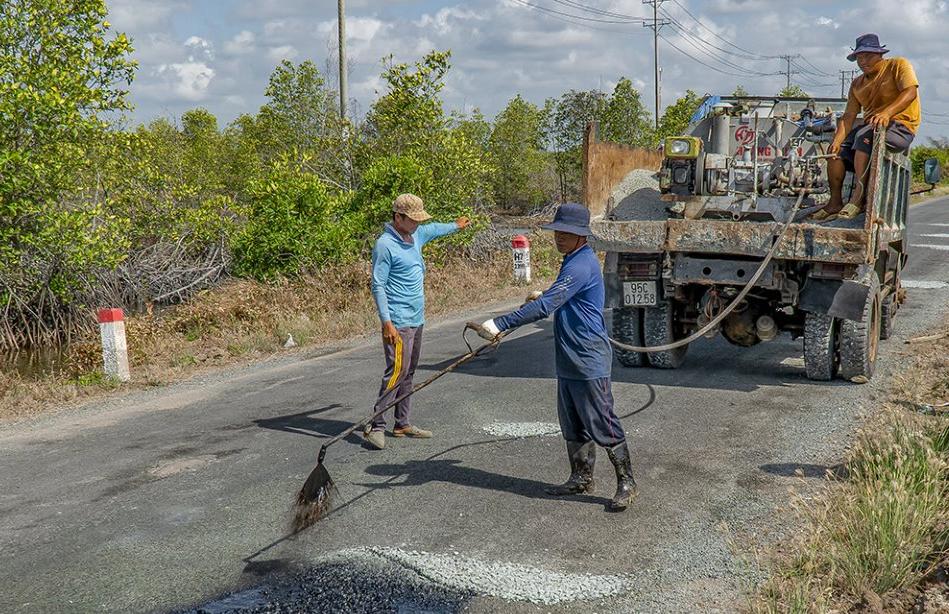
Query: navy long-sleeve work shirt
{"points": [[576, 300]]}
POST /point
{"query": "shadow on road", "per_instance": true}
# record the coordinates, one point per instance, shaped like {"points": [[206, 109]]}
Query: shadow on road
{"points": [[305, 423], [418, 473], [710, 364]]}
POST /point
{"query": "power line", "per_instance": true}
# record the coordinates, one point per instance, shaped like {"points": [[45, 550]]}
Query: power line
{"points": [[571, 15], [684, 28], [597, 11], [691, 41], [816, 69], [723, 39], [698, 61]]}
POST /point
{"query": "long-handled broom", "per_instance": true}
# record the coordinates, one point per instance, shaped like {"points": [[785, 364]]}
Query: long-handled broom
{"points": [[315, 499]]}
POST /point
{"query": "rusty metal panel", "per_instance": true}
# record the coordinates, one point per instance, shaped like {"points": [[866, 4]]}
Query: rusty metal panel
{"points": [[803, 241], [634, 237]]}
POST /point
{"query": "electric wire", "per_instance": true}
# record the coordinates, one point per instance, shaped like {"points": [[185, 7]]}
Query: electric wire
{"points": [[684, 28], [597, 11], [718, 36], [571, 15], [746, 71], [698, 61]]}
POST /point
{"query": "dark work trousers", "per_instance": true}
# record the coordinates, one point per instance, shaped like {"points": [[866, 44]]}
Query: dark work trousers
{"points": [[401, 360], [585, 409]]}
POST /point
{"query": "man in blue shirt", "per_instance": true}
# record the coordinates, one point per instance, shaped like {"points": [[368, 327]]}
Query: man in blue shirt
{"points": [[583, 356], [398, 287]]}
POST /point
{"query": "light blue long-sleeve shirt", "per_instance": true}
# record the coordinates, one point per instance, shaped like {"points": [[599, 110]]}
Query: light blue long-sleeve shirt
{"points": [[398, 274]]}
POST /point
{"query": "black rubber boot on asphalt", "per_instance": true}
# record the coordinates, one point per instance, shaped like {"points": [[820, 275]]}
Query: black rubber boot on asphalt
{"points": [[626, 489], [582, 458]]}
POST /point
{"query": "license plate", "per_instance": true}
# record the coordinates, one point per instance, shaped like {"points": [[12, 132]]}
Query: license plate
{"points": [[639, 293]]}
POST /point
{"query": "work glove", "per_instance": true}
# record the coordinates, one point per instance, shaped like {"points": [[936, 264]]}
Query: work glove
{"points": [[488, 330], [533, 296]]}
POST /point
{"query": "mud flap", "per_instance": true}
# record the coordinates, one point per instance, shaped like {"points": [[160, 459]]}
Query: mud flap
{"points": [[614, 288], [838, 298]]}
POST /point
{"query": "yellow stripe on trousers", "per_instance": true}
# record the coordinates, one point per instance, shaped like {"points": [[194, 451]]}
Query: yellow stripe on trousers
{"points": [[397, 367]]}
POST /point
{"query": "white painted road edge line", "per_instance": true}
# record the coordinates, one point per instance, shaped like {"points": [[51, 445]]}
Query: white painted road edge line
{"points": [[925, 284], [508, 581], [938, 235], [944, 248]]}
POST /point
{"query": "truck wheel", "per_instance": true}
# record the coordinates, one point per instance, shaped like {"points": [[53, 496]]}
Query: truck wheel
{"points": [[628, 329], [659, 329], [887, 313], [820, 347], [859, 341]]}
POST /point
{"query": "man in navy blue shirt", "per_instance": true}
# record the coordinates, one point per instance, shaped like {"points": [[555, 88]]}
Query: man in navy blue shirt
{"points": [[584, 358]]}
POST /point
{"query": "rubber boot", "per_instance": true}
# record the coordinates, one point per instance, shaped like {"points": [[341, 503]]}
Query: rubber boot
{"points": [[582, 458], [626, 489]]}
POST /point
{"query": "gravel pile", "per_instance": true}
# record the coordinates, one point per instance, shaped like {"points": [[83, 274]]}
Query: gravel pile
{"points": [[522, 429], [379, 579], [636, 197], [352, 584], [508, 581]]}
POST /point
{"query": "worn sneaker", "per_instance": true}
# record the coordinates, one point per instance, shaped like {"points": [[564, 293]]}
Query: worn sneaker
{"points": [[376, 439], [411, 431]]}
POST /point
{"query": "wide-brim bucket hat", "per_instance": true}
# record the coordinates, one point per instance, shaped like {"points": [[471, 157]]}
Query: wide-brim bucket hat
{"points": [[867, 43], [571, 217]]}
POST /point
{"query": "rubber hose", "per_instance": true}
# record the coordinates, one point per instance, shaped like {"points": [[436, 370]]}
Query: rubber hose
{"points": [[732, 306]]}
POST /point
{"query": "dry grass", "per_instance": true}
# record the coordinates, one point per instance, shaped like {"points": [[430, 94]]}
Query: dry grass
{"points": [[241, 321], [871, 538]]}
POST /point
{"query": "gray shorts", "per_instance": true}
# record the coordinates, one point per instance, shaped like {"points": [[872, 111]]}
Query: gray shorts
{"points": [[860, 138]]}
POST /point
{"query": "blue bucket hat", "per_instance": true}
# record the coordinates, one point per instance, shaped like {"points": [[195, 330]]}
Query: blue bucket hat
{"points": [[571, 217], [867, 43]]}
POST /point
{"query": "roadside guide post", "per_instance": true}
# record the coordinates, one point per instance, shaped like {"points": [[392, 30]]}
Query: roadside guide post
{"points": [[115, 357], [521, 250]]}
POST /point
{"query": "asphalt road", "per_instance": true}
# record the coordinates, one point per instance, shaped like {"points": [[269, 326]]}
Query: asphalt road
{"points": [[172, 498]]}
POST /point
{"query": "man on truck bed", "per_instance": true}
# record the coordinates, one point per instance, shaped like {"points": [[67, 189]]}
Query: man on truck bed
{"points": [[887, 93]]}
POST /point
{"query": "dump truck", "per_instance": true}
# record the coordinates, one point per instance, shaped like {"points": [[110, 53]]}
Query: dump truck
{"points": [[685, 228]]}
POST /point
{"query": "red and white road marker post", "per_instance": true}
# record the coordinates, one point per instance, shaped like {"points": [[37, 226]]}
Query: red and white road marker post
{"points": [[115, 355], [521, 250]]}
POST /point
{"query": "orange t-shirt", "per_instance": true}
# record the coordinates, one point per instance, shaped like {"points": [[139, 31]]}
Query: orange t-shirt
{"points": [[876, 92]]}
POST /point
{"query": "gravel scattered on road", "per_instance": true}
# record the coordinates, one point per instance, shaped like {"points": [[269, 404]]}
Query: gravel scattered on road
{"points": [[522, 429]]}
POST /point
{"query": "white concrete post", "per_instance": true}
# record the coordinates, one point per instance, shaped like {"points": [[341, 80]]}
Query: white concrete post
{"points": [[115, 356], [521, 250]]}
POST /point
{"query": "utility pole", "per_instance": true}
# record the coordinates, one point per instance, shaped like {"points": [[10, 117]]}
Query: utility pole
{"points": [[343, 85], [789, 72], [656, 25], [843, 77]]}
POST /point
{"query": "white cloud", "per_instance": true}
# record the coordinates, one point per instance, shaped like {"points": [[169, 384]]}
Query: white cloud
{"points": [[283, 52], [242, 43], [196, 44], [500, 49], [190, 80]]}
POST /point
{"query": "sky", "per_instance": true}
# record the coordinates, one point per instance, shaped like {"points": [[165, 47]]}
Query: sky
{"points": [[218, 54]]}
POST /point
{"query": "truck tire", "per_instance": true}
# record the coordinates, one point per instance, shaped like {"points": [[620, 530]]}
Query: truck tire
{"points": [[659, 329], [887, 314], [859, 341], [820, 347], [628, 329]]}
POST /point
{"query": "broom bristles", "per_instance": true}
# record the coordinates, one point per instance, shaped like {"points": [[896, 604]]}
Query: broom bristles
{"points": [[315, 499]]}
